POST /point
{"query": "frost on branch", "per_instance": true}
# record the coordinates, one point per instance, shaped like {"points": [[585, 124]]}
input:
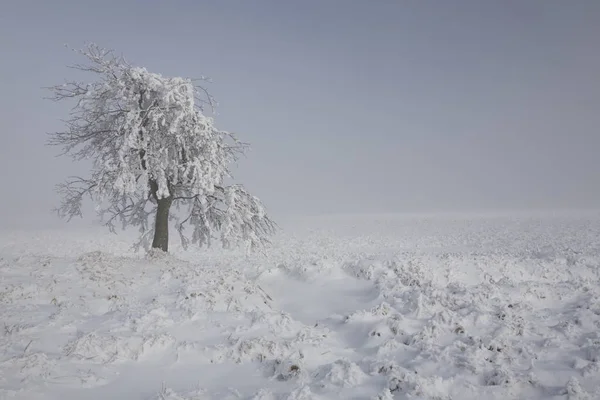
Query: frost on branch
{"points": [[151, 146], [232, 211]]}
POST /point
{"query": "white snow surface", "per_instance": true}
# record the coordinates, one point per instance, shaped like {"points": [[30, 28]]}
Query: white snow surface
{"points": [[347, 307]]}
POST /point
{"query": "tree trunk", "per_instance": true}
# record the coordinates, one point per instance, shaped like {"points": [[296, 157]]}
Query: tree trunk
{"points": [[161, 225]]}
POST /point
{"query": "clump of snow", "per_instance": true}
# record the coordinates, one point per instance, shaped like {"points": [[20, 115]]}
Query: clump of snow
{"points": [[342, 373]]}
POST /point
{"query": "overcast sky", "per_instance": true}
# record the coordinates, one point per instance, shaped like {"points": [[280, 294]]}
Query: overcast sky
{"points": [[350, 106]]}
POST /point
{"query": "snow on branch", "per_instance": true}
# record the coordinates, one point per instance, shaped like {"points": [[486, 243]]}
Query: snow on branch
{"points": [[231, 211], [149, 140]]}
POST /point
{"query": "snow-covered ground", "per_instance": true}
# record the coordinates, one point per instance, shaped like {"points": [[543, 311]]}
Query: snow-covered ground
{"points": [[354, 307]]}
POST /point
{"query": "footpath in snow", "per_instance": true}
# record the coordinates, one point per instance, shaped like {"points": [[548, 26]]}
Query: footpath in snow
{"points": [[346, 308]]}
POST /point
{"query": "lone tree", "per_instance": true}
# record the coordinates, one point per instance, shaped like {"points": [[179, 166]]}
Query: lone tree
{"points": [[153, 148]]}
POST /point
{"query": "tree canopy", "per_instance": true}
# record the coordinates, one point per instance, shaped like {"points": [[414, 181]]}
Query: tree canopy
{"points": [[152, 146]]}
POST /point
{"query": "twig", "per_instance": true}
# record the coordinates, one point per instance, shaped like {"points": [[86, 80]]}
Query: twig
{"points": [[27, 347]]}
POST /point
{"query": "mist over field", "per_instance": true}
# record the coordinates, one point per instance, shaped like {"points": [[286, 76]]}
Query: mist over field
{"points": [[432, 168]]}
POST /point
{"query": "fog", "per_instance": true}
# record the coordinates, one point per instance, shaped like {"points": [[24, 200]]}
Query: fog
{"points": [[350, 106]]}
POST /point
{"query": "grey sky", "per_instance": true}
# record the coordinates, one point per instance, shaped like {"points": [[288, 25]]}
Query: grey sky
{"points": [[350, 106]]}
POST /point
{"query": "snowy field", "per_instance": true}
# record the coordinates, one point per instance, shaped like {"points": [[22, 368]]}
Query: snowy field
{"points": [[370, 307]]}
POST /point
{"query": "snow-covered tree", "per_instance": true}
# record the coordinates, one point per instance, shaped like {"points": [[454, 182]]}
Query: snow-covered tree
{"points": [[153, 148]]}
